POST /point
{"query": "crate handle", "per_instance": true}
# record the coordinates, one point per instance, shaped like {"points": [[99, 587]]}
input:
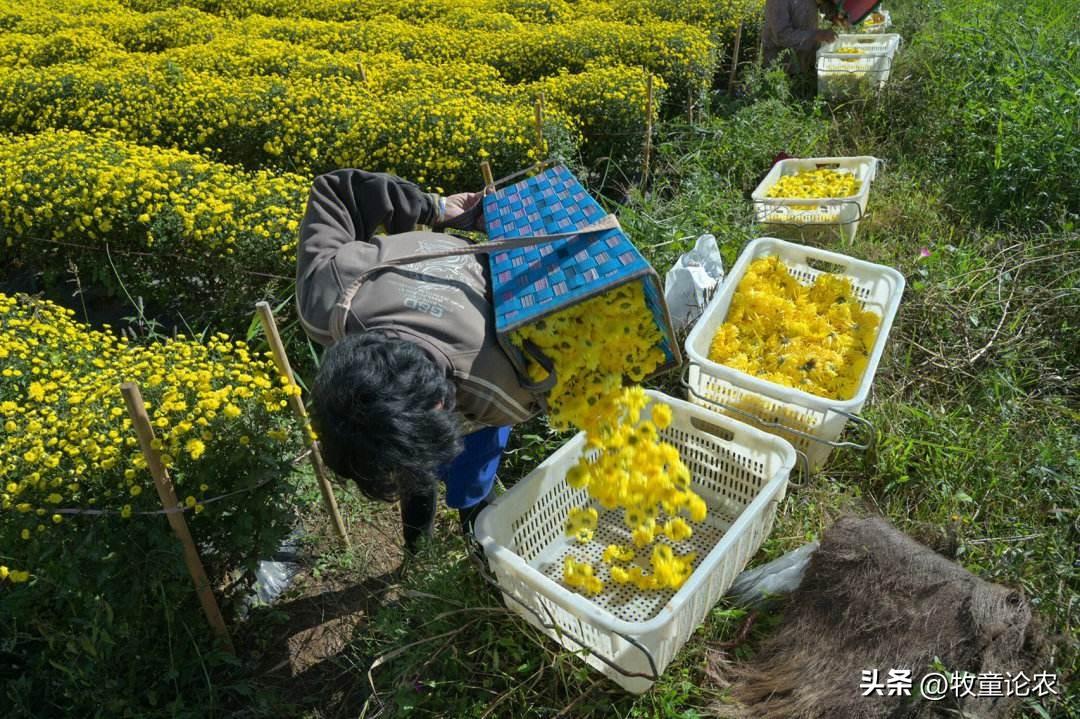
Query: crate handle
{"points": [[476, 552], [864, 423], [725, 434], [824, 266], [763, 213]]}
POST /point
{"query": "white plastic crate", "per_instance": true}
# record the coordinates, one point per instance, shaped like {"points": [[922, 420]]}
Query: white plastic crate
{"points": [[631, 635], [843, 213], [866, 26], [812, 423], [841, 74]]}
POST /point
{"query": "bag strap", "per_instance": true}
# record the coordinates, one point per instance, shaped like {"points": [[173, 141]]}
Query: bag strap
{"points": [[537, 355], [340, 313]]}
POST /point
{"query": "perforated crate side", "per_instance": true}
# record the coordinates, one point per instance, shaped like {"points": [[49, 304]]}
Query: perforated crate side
{"points": [[738, 471], [876, 287], [825, 425]]}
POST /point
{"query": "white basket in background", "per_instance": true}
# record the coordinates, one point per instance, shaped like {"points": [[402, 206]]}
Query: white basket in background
{"points": [[866, 26], [841, 74], [812, 423], [842, 213], [632, 635]]}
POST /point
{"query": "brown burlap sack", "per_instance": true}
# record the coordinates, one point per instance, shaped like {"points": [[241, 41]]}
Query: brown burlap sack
{"points": [[873, 598]]}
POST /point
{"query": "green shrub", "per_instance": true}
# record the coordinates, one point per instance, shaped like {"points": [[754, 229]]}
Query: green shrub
{"points": [[97, 612], [194, 237], [989, 99]]}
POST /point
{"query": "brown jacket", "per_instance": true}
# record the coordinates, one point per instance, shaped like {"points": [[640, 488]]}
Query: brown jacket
{"points": [[443, 305], [793, 24]]}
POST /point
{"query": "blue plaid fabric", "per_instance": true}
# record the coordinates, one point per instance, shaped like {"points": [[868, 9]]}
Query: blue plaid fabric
{"points": [[529, 283]]}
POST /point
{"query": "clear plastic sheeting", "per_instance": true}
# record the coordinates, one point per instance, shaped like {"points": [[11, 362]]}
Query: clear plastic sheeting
{"points": [[275, 574]]}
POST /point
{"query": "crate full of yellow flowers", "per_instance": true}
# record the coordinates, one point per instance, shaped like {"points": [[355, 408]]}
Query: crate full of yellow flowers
{"points": [[855, 61], [791, 342], [631, 605], [816, 192]]}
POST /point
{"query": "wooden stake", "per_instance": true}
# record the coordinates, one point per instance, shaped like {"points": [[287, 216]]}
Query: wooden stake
{"points": [[281, 360], [489, 179], [648, 129], [363, 72], [541, 150], [734, 60], [140, 420]]}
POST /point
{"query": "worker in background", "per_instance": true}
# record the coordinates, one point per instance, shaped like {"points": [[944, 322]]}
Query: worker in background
{"points": [[413, 387], [792, 35]]}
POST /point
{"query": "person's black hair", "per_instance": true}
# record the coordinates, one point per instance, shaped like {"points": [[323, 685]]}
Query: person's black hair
{"points": [[375, 406]]}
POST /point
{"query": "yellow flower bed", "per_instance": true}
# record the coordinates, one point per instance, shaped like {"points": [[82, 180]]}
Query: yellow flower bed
{"points": [[68, 441], [70, 186], [252, 89], [705, 13], [814, 338], [821, 183], [302, 123], [681, 53], [225, 97], [626, 466]]}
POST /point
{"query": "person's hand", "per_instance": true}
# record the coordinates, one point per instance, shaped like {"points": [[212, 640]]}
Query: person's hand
{"points": [[824, 36], [463, 211]]}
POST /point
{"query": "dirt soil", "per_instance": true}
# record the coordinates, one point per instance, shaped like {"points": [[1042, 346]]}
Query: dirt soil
{"points": [[298, 645]]}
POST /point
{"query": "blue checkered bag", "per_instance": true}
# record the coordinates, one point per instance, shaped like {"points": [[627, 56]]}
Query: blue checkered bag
{"points": [[531, 282]]}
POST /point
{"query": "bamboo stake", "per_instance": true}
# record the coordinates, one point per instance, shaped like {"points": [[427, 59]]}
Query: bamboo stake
{"points": [[734, 60], [648, 130], [281, 359], [541, 151], [140, 420], [489, 179]]}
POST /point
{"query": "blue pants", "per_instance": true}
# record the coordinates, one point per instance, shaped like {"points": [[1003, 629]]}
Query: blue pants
{"points": [[470, 476], [468, 479]]}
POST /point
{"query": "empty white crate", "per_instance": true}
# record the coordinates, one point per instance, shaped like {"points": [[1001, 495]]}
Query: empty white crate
{"points": [[812, 423], [631, 636], [842, 212], [840, 73]]}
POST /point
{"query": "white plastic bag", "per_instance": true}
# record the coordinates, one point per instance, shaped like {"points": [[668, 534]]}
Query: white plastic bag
{"points": [[690, 282], [758, 586]]}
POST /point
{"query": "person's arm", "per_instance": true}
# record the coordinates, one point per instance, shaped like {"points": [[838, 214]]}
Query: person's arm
{"points": [[778, 18], [344, 210], [348, 206]]}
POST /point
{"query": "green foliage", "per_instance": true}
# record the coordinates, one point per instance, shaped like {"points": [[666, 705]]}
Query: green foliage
{"points": [[987, 92]]}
